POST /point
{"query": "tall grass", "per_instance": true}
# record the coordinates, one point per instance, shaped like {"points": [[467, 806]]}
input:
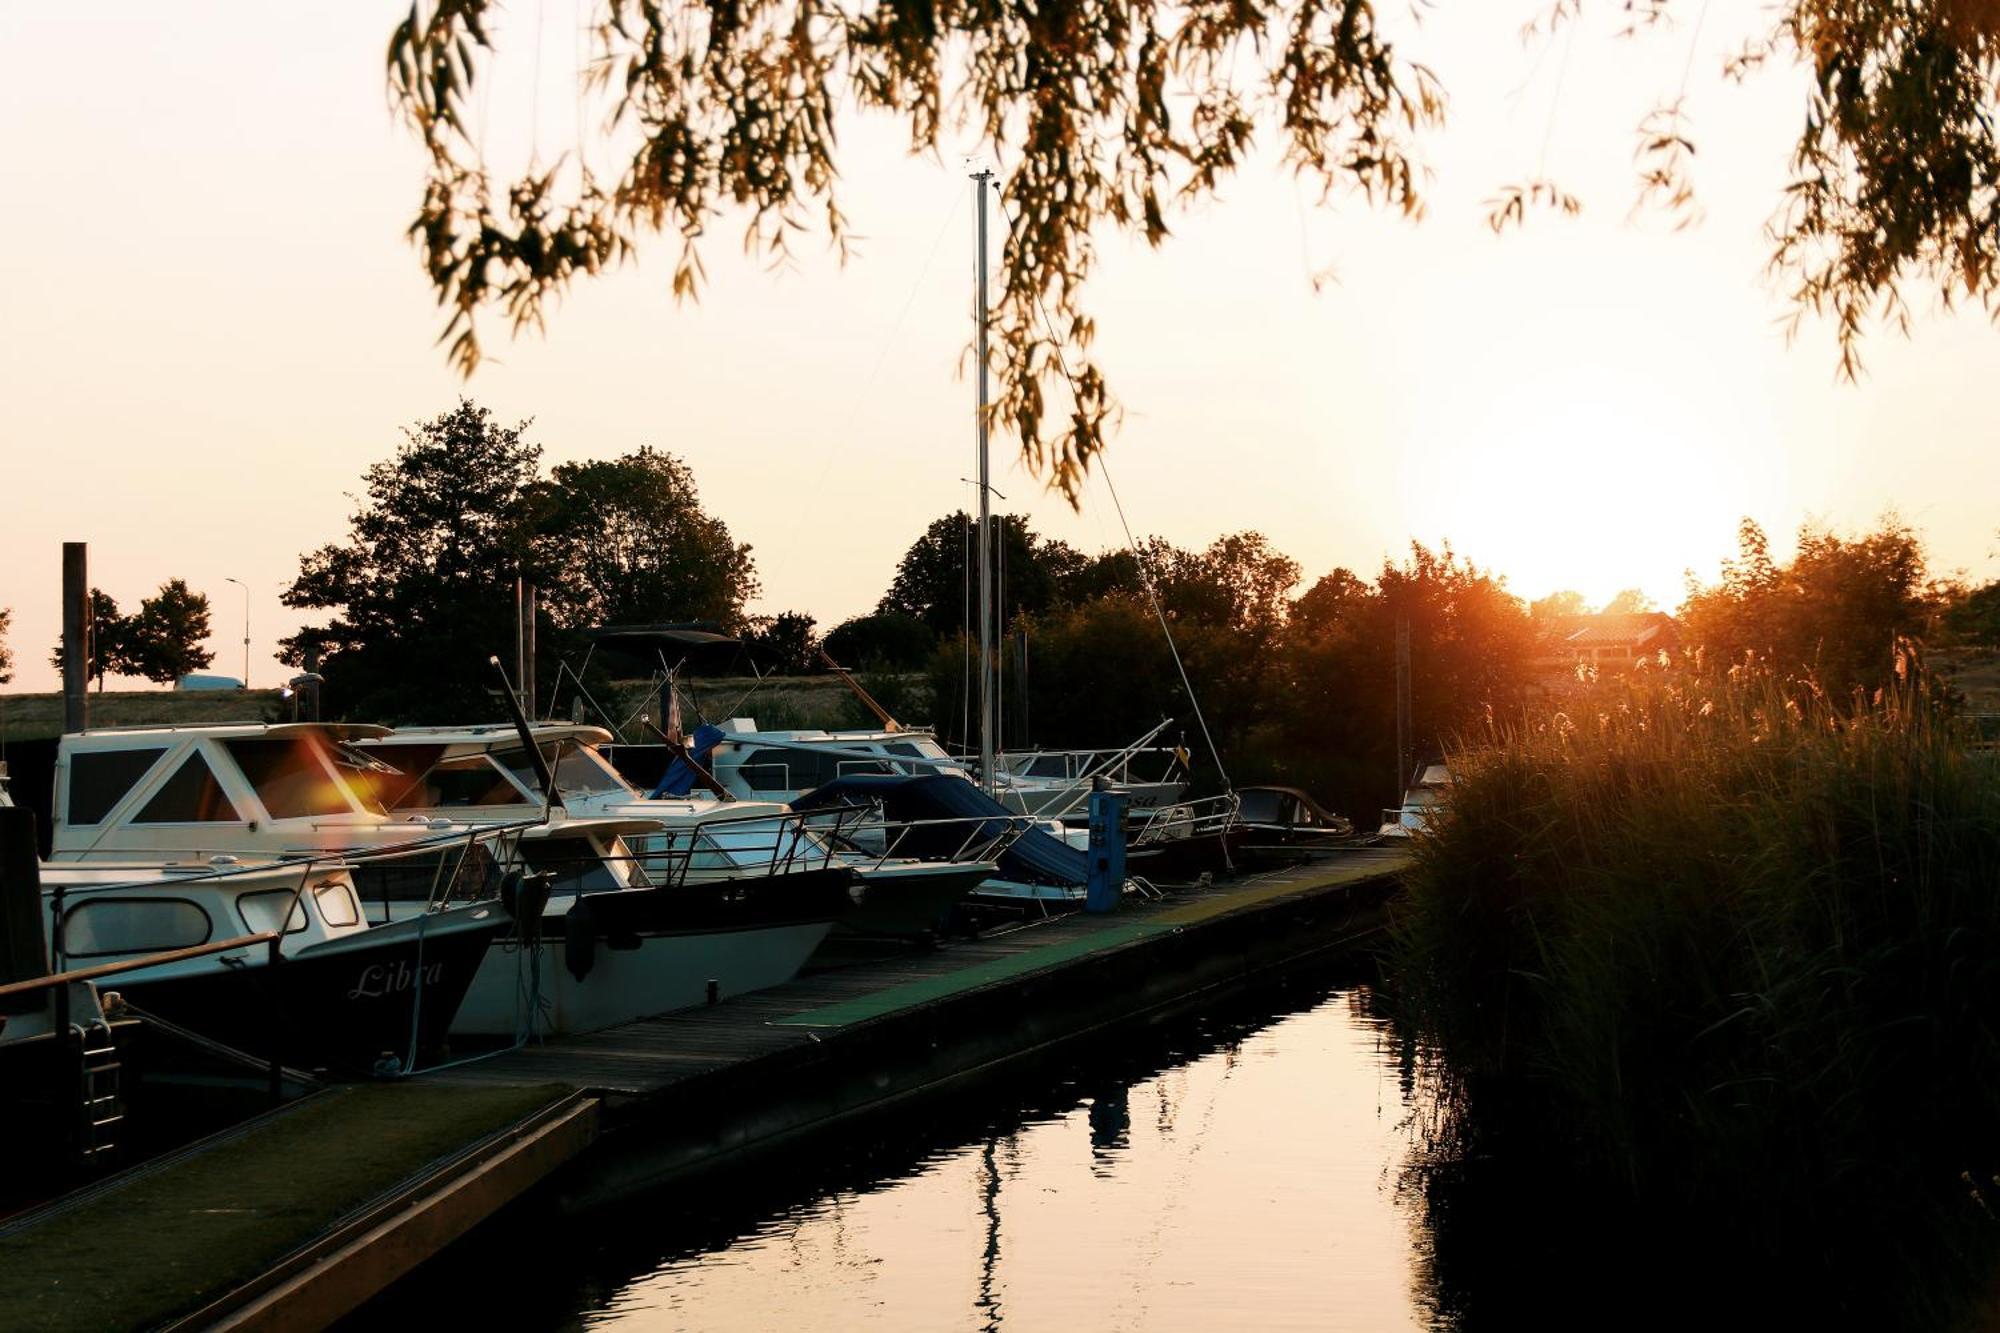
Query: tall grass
{"points": [[1733, 954]]}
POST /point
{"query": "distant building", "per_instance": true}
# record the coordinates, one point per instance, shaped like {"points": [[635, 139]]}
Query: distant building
{"points": [[1610, 641]]}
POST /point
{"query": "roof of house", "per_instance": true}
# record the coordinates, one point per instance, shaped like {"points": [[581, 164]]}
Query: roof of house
{"points": [[1637, 628]]}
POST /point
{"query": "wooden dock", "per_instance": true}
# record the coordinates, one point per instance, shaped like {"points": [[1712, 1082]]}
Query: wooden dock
{"points": [[695, 1090], [612, 1113]]}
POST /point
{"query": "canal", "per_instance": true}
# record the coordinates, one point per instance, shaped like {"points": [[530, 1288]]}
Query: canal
{"points": [[1251, 1166]]}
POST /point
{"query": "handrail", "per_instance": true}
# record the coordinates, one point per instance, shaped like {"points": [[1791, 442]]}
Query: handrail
{"points": [[136, 964]]}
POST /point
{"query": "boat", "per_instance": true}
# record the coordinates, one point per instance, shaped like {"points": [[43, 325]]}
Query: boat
{"points": [[1286, 825], [1422, 799], [310, 980], [481, 773], [275, 794]]}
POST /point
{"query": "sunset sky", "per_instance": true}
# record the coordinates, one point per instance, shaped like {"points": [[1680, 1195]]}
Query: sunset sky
{"points": [[213, 325]]}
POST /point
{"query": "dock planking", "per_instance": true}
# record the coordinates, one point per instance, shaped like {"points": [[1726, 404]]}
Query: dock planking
{"points": [[644, 1057]]}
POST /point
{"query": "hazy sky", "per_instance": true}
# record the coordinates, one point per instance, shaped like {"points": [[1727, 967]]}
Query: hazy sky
{"points": [[213, 324]]}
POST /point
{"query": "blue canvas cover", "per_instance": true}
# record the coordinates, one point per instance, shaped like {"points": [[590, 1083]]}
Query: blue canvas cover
{"points": [[1035, 856], [680, 777]]}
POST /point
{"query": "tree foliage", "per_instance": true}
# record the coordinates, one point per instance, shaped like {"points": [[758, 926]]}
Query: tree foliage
{"points": [[1974, 616], [6, 653], [105, 641], [935, 582], [633, 544], [423, 585], [1833, 615], [784, 643], [163, 640], [882, 641], [1114, 113]]}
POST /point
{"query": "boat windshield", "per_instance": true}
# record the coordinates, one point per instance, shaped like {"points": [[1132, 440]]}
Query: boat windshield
{"points": [[761, 844], [424, 780], [578, 772], [295, 778], [574, 865]]}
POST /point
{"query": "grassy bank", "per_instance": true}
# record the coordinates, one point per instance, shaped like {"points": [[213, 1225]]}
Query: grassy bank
{"points": [[776, 701], [1734, 959]]}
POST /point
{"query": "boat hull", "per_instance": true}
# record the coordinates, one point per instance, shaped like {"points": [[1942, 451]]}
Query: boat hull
{"points": [[913, 900], [609, 958], [350, 1003]]}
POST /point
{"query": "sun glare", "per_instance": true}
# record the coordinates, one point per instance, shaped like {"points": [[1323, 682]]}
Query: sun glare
{"points": [[1597, 493]]}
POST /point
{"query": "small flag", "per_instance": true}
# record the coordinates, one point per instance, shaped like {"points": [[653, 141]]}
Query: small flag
{"points": [[673, 713]]}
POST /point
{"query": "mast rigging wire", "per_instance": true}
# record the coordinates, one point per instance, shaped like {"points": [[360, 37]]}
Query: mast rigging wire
{"points": [[1138, 556]]}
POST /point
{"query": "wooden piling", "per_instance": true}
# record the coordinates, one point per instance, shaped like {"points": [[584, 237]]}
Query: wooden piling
{"points": [[76, 635]]}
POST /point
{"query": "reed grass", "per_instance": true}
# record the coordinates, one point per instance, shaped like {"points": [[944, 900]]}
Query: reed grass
{"points": [[1733, 952]]}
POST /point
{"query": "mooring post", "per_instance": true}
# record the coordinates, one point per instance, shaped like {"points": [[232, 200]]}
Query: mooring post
{"points": [[1107, 851], [76, 635]]}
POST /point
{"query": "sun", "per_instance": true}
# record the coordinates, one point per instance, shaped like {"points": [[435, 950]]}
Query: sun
{"points": [[1596, 487]]}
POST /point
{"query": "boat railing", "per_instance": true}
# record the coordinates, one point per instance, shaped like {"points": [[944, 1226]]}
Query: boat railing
{"points": [[1187, 819], [740, 845], [873, 841], [1083, 763]]}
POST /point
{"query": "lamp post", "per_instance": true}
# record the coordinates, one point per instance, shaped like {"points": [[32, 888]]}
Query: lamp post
{"points": [[246, 627]]}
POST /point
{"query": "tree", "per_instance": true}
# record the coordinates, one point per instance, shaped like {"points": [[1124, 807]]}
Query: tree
{"points": [[785, 643], [1975, 616], [935, 580], [635, 546], [6, 654], [1109, 113], [107, 639], [1239, 582], [1833, 615], [163, 640], [1629, 602], [423, 586], [883, 641]]}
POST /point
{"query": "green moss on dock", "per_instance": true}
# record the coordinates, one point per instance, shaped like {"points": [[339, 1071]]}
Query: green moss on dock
{"points": [[165, 1243]]}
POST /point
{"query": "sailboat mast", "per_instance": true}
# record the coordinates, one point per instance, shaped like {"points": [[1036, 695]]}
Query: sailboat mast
{"points": [[980, 180]]}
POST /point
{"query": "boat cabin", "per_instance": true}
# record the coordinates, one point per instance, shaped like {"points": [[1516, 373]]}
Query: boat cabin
{"points": [[188, 793]]}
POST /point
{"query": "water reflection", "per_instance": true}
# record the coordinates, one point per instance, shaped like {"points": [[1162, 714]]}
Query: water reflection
{"points": [[1239, 1169]]}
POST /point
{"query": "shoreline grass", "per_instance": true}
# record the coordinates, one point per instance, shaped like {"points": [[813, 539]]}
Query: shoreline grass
{"points": [[1732, 954]]}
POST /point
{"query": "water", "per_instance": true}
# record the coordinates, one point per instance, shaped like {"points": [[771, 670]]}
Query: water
{"points": [[1247, 1168]]}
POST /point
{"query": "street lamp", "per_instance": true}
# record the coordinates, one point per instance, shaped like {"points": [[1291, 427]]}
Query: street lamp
{"points": [[246, 627]]}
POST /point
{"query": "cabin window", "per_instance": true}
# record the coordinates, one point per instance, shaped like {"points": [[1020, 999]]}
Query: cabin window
{"points": [[337, 905], [803, 769], [99, 779], [1049, 766], [190, 796], [262, 911], [289, 777], [105, 926]]}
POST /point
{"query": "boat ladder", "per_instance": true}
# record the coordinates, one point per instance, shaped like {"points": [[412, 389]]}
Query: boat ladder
{"points": [[99, 1110]]}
